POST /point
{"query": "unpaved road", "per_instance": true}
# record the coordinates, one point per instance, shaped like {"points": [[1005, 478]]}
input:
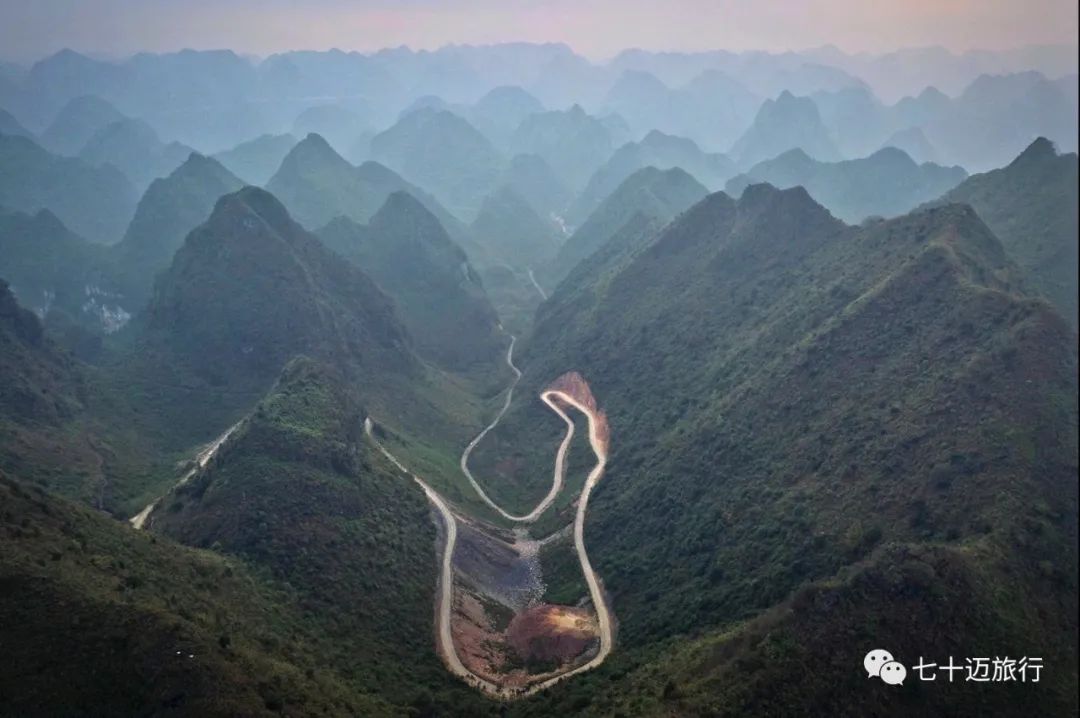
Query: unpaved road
{"points": [[444, 598], [532, 278], [557, 481], [201, 460], [596, 593]]}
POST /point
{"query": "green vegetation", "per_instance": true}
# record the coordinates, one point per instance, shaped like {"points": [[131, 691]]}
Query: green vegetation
{"points": [[923, 601], [116, 622], [825, 438], [316, 597], [84, 290], [1032, 207], [513, 295], [52, 270], [436, 291], [299, 494], [250, 290], [318, 185], [649, 192], [247, 292], [776, 418], [171, 207], [51, 428]]}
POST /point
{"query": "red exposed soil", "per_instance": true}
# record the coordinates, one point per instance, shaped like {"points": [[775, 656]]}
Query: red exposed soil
{"points": [[574, 385], [552, 633], [478, 643]]}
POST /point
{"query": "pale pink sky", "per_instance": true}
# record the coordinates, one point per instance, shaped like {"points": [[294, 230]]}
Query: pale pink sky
{"points": [[597, 28]]}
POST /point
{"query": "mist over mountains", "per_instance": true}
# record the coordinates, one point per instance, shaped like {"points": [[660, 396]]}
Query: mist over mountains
{"points": [[495, 381]]}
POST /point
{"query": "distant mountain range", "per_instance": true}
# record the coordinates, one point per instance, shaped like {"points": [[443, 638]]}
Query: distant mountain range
{"points": [[655, 150], [444, 155], [508, 231], [712, 108], [572, 142], [438, 294], [318, 185], [783, 124], [886, 184], [77, 123], [256, 161], [95, 201], [133, 147], [649, 193], [806, 385]]}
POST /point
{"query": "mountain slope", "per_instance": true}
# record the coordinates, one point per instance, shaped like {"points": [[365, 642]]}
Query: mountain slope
{"points": [[51, 413], [572, 142], [40, 383], [649, 192], [783, 124], [11, 126], [886, 184], [713, 109], [171, 207], [298, 493], [52, 270], [855, 119], [788, 397], [913, 141], [501, 110], [256, 161], [437, 293], [443, 154], [340, 126], [655, 150], [249, 291], [134, 147], [1031, 206], [95, 202], [148, 627], [318, 185], [996, 116], [508, 231], [534, 180], [286, 295], [78, 121]]}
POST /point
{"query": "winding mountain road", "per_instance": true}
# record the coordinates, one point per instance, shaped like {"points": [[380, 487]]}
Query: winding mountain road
{"points": [[532, 278], [444, 603], [445, 599], [557, 482], [139, 520]]}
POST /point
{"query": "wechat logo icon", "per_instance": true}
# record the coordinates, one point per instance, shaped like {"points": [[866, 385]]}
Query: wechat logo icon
{"points": [[881, 664]]}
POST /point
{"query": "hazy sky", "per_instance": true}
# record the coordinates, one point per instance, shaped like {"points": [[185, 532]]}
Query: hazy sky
{"points": [[30, 29]]}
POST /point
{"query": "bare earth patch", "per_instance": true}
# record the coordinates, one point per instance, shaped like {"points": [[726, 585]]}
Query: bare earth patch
{"points": [[550, 633]]}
